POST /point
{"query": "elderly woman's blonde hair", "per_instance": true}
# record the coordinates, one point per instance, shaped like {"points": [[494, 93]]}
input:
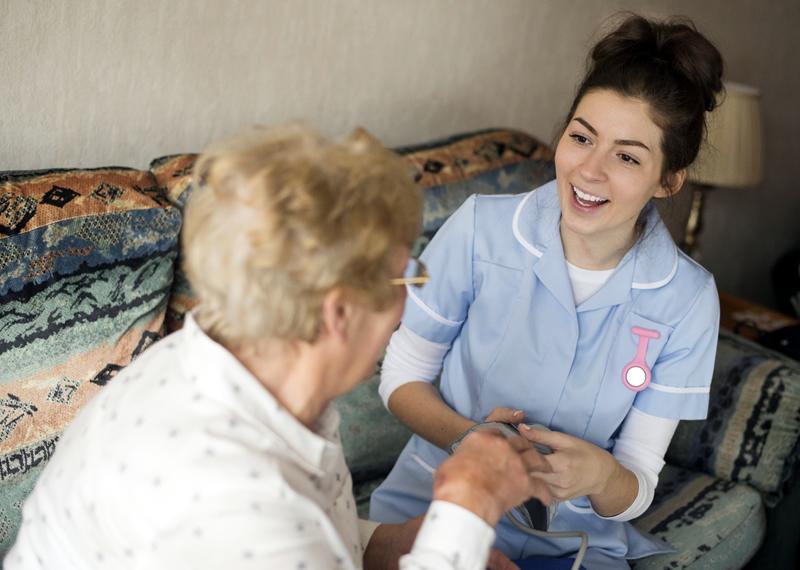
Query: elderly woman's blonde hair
{"points": [[279, 216]]}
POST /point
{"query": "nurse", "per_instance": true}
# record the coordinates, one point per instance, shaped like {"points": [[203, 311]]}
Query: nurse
{"points": [[571, 307]]}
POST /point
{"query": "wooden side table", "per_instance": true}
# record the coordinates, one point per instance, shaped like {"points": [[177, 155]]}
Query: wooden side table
{"points": [[750, 319]]}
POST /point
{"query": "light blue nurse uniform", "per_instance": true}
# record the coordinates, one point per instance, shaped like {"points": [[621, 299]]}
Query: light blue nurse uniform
{"points": [[500, 296]]}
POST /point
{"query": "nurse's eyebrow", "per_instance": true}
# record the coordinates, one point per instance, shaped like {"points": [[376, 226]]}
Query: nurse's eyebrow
{"points": [[625, 142]]}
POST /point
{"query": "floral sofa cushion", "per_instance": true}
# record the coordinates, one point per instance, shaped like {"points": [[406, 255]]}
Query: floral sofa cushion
{"points": [[86, 262]]}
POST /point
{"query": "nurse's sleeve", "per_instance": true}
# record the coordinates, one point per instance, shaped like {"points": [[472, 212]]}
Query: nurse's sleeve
{"points": [[437, 310], [681, 377], [434, 313]]}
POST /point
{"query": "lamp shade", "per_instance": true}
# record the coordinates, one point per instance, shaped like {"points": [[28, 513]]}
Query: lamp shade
{"points": [[732, 154]]}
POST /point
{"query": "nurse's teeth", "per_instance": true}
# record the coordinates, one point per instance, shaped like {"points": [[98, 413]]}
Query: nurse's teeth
{"points": [[585, 196]]}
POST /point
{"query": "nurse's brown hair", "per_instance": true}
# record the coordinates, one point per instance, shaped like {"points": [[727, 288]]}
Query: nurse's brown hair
{"points": [[673, 68]]}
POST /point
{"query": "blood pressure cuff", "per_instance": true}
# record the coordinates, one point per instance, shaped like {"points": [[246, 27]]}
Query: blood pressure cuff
{"points": [[532, 513]]}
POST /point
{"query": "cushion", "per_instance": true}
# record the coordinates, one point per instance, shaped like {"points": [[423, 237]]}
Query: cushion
{"points": [[173, 175], [85, 270], [752, 434], [712, 523], [494, 161]]}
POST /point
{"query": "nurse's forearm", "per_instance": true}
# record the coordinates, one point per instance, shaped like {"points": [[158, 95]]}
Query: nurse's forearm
{"points": [[419, 406], [618, 492]]}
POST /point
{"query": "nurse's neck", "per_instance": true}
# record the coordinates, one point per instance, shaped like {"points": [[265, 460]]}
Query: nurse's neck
{"points": [[596, 252]]}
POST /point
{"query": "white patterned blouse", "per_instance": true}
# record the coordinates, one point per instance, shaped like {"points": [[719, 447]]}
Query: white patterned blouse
{"points": [[186, 461]]}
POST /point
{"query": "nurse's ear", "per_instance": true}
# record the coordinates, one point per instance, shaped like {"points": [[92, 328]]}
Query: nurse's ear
{"points": [[673, 184]]}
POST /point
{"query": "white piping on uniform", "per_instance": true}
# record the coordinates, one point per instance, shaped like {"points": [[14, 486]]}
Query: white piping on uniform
{"points": [[582, 510], [430, 312], [657, 284], [675, 390], [515, 227]]}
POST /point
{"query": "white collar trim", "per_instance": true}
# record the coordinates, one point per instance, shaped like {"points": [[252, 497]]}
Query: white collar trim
{"points": [[538, 253], [660, 282], [515, 227]]}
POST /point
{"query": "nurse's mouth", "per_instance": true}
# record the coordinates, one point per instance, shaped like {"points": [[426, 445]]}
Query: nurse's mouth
{"points": [[586, 200]]}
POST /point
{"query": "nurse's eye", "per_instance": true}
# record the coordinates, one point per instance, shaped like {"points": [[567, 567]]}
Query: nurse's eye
{"points": [[580, 139], [628, 158]]}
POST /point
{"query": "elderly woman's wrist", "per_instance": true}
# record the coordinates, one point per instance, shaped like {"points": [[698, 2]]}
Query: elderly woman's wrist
{"points": [[460, 490]]}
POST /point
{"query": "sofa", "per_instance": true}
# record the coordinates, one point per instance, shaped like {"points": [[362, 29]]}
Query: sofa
{"points": [[91, 276]]}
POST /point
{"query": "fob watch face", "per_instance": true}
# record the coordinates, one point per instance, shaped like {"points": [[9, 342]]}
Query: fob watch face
{"points": [[635, 376]]}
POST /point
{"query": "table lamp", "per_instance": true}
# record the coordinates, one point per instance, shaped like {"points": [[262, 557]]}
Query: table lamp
{"points": [[731, 157]]}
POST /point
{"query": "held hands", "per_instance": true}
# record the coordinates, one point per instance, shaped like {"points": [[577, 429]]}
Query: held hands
{"points": [[489, 474]]}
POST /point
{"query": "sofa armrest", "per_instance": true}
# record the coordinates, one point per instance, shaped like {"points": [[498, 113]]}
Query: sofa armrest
{"points": [[751, 433]]}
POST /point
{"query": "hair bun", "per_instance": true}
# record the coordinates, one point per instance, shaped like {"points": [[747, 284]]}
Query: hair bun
{"points": [[675, 44]]}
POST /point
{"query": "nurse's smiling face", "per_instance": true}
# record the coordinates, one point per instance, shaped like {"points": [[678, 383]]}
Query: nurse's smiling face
{"points": [[608, 166]]}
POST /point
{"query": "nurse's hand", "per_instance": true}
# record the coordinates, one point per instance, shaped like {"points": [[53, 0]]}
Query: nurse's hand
{"points": [[578, 467], [507, 415], [489, 474]]}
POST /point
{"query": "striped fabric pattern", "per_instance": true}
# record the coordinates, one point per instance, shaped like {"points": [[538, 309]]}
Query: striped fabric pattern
{"points": [[752, 434], [711, 523], [86, 262]]}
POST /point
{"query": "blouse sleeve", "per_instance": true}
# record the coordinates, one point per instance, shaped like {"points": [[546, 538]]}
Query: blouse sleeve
{"points": [[450, 538], [681, 377]]}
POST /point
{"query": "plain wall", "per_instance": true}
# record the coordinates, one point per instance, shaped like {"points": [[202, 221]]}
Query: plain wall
{"points": [[119, 82]]}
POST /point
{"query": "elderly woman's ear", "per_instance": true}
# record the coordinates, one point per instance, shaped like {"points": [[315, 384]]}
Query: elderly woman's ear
{"points": [[338, 312]]}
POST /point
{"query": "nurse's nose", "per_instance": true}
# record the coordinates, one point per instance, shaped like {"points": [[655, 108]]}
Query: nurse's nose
{"points": [[592, 169]]}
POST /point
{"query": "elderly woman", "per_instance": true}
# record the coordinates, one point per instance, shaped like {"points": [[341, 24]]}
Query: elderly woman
{"points": [[218, 447]]}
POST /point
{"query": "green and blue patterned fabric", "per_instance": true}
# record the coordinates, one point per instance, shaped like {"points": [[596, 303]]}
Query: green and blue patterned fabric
{"points": [[86, 261], [712, 523], [752, 434]]}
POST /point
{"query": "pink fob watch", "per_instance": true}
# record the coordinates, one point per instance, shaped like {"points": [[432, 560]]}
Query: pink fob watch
{"points": [[636, 375]]}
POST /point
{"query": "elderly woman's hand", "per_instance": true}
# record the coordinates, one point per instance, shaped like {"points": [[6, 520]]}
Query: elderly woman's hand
{"points": [[490, 474]]}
